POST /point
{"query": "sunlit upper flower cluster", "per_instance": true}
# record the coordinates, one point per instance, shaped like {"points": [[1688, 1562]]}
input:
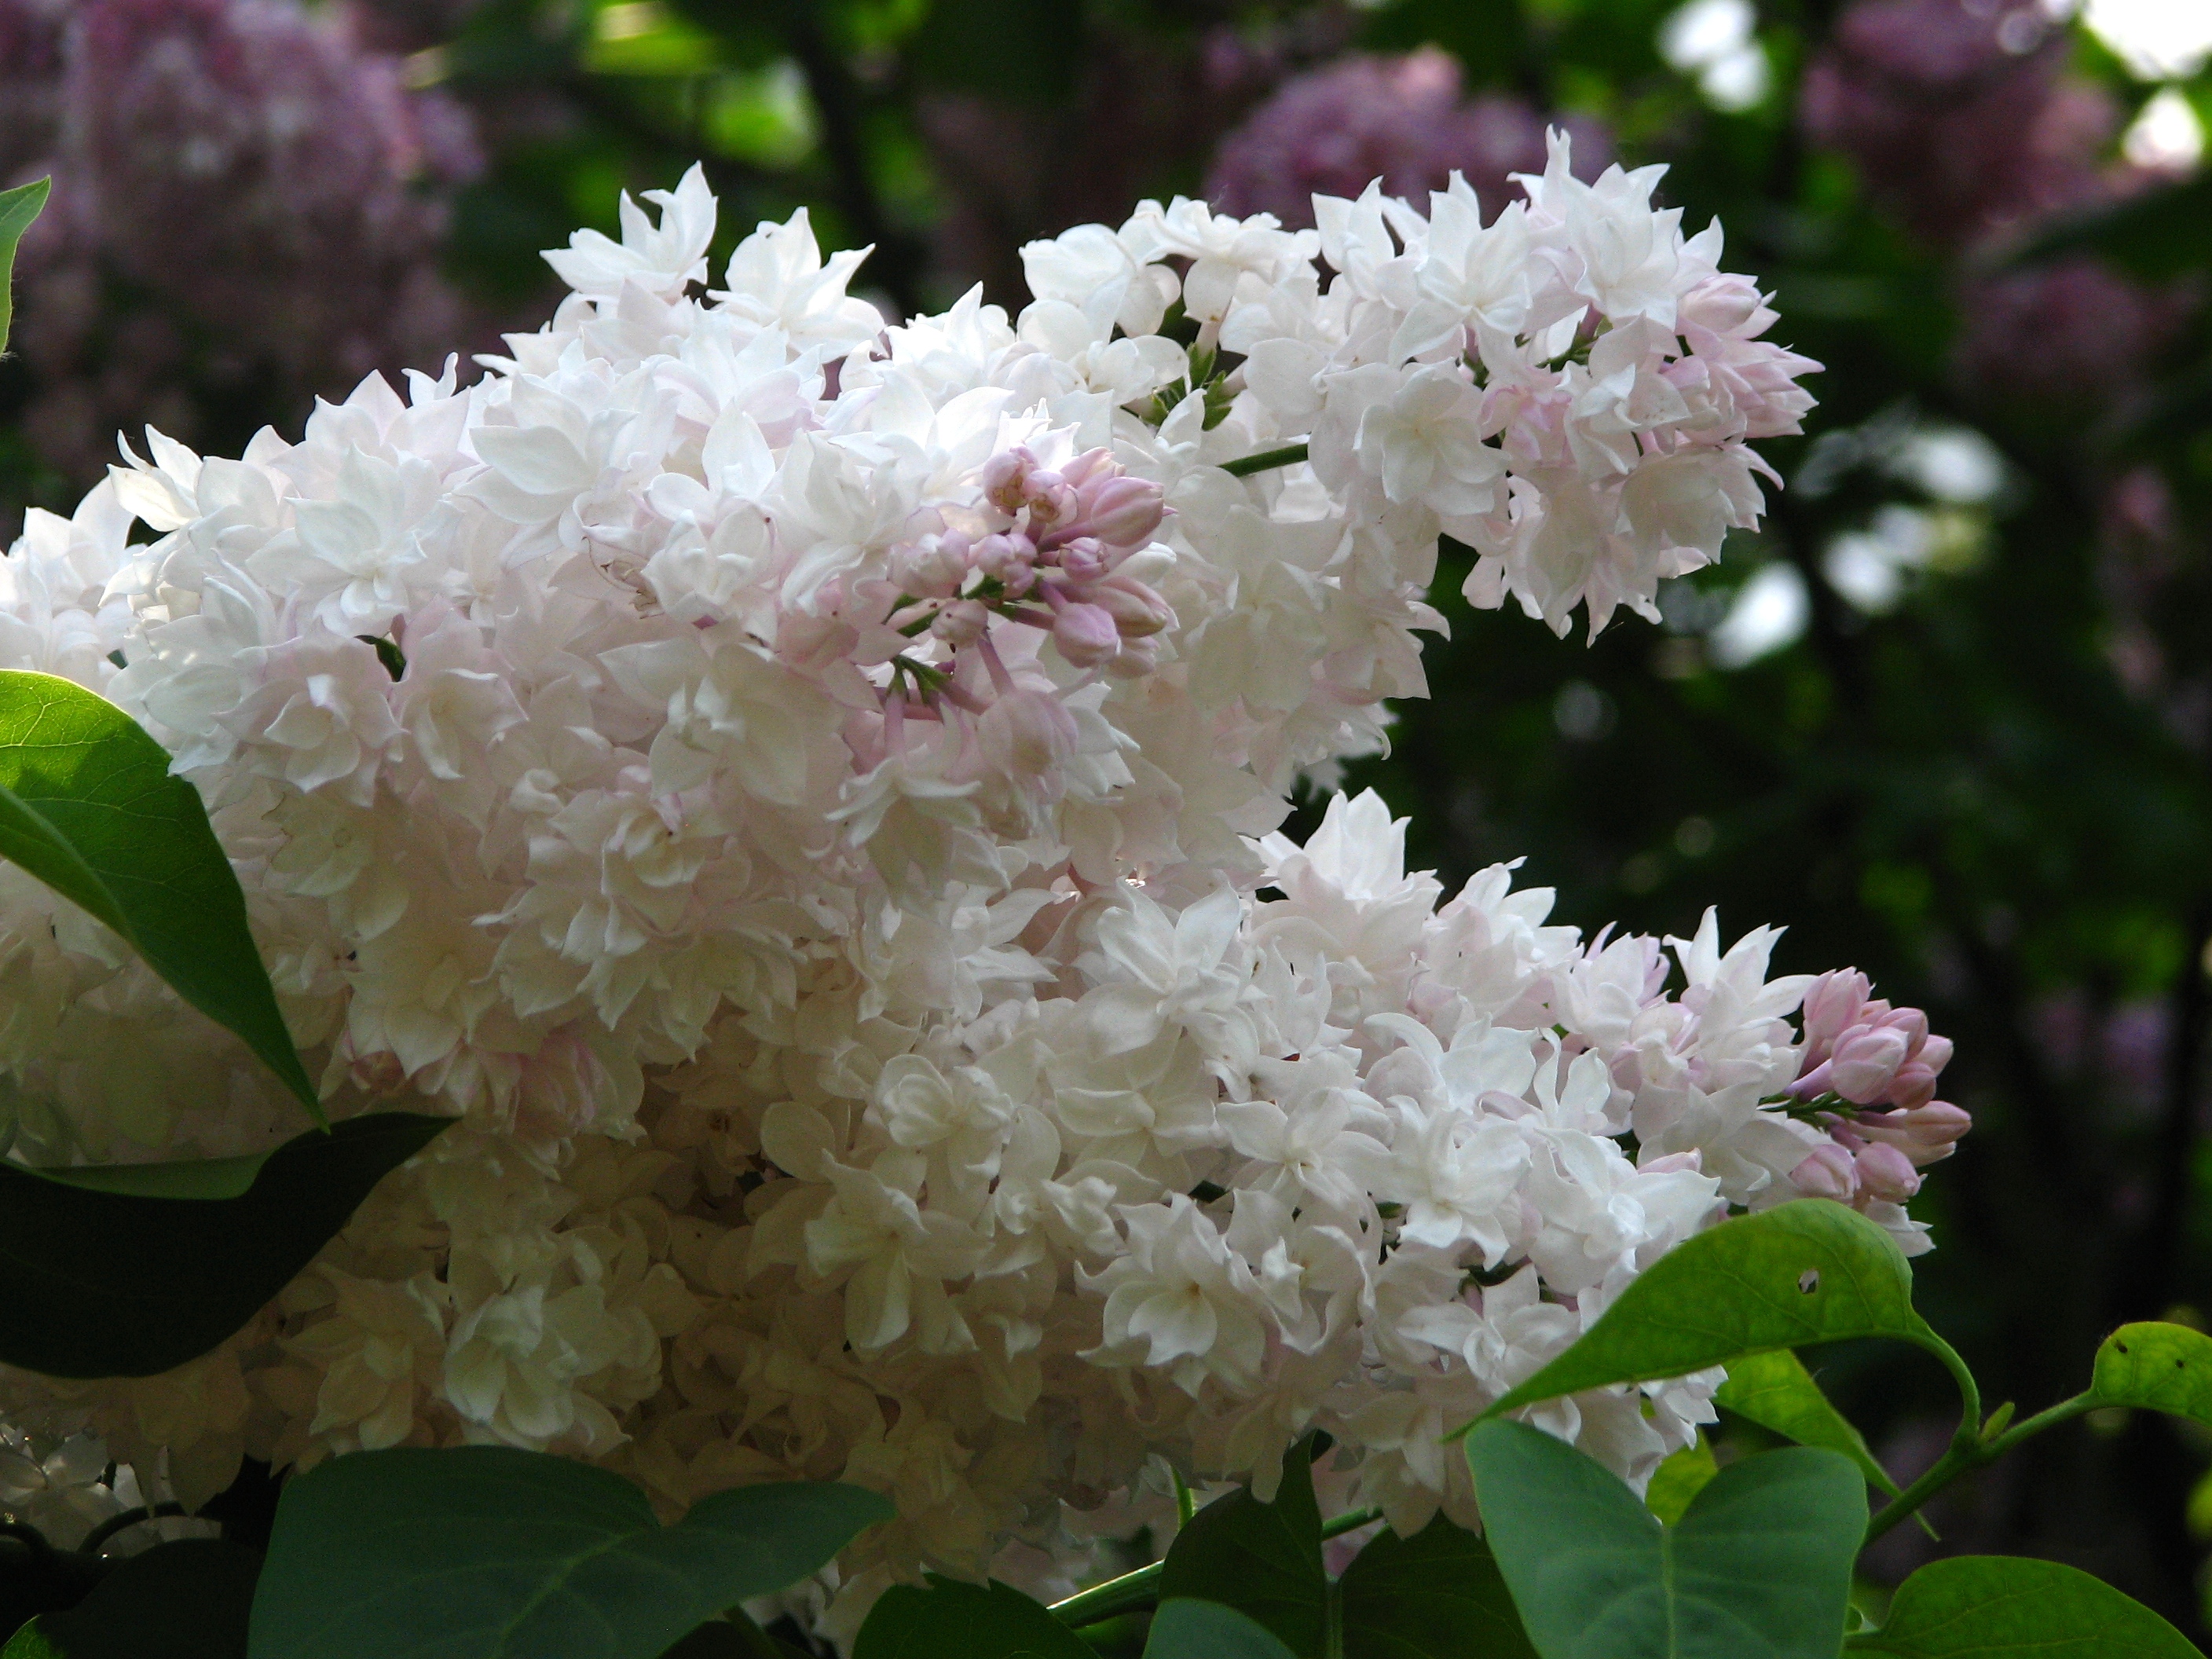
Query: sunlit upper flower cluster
{"points": [[805, 792]]}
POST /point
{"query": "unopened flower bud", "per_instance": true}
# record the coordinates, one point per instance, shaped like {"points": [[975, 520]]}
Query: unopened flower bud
{"points": [[1086, 634], [1123, 511], [1137, 611], [1138, 658], [931, 568], [1010, 558], [1865, 1063], [960, 622], [1833, 1006], [1052, 503], [1913, 1085], [1091, 464], [1004, 475], [1084, 560], [1887, 1173], [1931, 1131], [1826, 1172]]}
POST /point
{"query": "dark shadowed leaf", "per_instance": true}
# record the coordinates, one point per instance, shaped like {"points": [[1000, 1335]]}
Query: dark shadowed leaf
{"points": [[487, 1552], [1263, 1559], [1776, 1391], [1803, 1272], [88, 806], [1437, 1595], [125, 1271], [953, 1620], [1759, 1567], [188, 1600], [2002, 1606], [1188, 1629], [18, 207]]}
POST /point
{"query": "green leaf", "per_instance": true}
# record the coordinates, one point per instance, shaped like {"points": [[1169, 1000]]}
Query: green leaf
{"points": [[2003, 1607], [733, 1635], [1186, 1628], [953, 1620], [1806, 1271], [87, 805], [1758, 1568], [122, 1272], [1437, 1595], [487, 1552], [188, 1600], [1776, 1391], [1263, 1559], [2159, 1367], [1678, 1479], [18, 207]]}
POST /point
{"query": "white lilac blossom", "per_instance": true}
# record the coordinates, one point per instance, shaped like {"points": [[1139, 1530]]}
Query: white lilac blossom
{"points": [[823, 845]]}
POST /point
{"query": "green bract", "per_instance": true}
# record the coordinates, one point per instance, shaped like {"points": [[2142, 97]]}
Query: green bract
{"points": [[1759, 1567], [130, 1270], [485, 1552], [2000, 1607], [88, 804]]}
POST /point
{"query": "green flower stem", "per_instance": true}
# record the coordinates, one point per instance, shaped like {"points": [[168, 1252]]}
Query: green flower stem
{"points": [[1132, 1592], [1975, 1444], [1245, 466]]}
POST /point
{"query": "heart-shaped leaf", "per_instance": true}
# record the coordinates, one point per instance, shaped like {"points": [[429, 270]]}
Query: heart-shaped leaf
{"points": [[87, 805], [1437, 1595], [487, 1552], [2004, 1607], [1188, 1629], [187, 1600], [2159, 1367], [18, 207], [1806, 1272], [131, 1270], [1759, 1567], [1776, 1391], [953, 1620], [1263, 1559]]}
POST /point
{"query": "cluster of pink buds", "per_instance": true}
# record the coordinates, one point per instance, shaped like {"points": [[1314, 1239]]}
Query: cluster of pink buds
{"points": [[1048, 552], [1869, 1073]]}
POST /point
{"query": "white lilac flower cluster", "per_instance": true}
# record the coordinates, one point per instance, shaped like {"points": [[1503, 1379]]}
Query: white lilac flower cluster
{"points": [[802, 792]]}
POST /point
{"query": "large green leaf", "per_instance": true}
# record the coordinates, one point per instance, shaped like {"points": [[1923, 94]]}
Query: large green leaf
{"points": [[2159, 1367], [1263, 1559], [1759, 1567], [953, 1620], [1681, 1476], [487, 1552], [87, 805], [188, 1600], [2002, 1606], [1776, 1391], [1186, 1628], [1806, 1272], [115, 1272], [1437, 1595], [18, 207]]}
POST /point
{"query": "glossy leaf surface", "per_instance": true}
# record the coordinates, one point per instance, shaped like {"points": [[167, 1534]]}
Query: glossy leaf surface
{"points": [[488, 1552], [1758, 1568], [87, 805], [118, 1272]]}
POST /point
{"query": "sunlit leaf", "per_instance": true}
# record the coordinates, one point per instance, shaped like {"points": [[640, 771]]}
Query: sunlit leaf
{"points": [[1802, 1272], [130, 1271], [87, 805], [488, 1552], [2003, 1607], [1776, 1391], [2159, 1367], [18, 207], [1678, 1479], [1760, 1567]]}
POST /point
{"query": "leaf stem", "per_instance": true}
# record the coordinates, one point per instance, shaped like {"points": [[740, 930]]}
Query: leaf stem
{"points": [[1132, 1592], [1266, 459]]}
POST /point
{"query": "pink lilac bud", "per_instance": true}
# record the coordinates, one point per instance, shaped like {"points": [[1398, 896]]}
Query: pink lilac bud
{"points": [[1137, 611], [1086, 634], [1084, 560], [1052, 503], [960, 622], [1123, 512], [1026, 733], [1010, 558], [1833, 1006], [1004, 475], [1865, 1062], [1887, 1173], [1827, 1172], [1924, 1133], [1138, 658]]}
